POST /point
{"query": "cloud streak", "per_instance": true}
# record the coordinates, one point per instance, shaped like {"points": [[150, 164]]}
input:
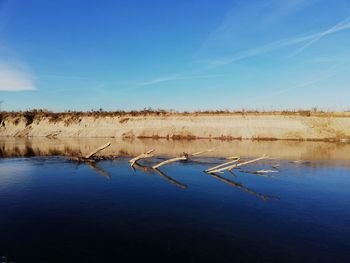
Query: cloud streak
{"points": [[311, 38], [252, 16], [134, 85], [15, 79], [176, 77], [342, 25]]}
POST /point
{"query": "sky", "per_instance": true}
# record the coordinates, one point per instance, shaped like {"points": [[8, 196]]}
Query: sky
{"points": [[175, 54]]}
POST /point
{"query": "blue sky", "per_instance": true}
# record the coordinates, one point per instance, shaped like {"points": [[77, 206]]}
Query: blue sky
{"points": [[183, 55]]}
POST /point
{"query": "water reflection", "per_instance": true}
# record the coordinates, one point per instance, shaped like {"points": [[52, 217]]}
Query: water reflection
{"points": [[99, 170], [150, 170], [294, 151], [300, 153], [243, 188], [147, 169], [170, 180], [180, 213]]}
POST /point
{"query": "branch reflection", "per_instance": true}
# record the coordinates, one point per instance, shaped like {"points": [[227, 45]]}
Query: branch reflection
{"points": [[150, 170]]}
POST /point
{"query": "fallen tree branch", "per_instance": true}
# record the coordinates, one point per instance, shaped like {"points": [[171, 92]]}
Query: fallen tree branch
{"points": [[184, 157], [97, 150], [230, 167], [142, 168], [88, 158], [141, 156], [222, 165], [233, 157]]}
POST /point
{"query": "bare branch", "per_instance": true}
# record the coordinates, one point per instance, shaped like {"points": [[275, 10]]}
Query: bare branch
{"points": [[142, 156], [172, 160], [97, 150], [222, 165], [230, 167]]}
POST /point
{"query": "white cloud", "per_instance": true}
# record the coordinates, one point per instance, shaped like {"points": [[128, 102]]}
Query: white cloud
{"points": [[15, 78]]}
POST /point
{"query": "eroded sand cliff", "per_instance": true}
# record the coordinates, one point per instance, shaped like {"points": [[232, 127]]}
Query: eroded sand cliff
{"points": [[177, 126]]}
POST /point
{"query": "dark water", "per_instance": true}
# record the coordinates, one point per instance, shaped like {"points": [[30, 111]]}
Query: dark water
{"points": [[52, 210]]}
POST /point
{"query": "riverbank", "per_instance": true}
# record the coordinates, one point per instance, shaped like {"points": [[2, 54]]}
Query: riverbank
{"points": [[334, 127]]}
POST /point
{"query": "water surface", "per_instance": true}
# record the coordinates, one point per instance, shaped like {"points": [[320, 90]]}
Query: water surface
{"points": [[53, 210]]}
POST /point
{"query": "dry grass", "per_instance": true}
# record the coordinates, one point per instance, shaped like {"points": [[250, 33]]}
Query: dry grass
{"points": [[74, 116]]}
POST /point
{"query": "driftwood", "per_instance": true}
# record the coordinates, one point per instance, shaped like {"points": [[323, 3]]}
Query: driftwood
{"points": [[230, 167], [184, 157], [88, 158], [222, 165], [233, 157], [141, 156], [97, 150], [142, 168]]}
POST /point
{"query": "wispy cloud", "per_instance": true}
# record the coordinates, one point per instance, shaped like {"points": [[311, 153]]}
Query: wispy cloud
{"points": [[15, 78], [123, 86], [311, 38], [277, 10], [176, 77], [342, 25], [251, 16]]}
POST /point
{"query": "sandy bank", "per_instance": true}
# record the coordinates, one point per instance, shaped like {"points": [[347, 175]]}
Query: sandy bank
{"points": [[211, 126]]}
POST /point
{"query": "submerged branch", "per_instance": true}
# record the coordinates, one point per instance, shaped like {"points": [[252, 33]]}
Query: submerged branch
{"points": [[184, 157], [97, 150], [223, 164], [148, 154], [230, 167], [172, 160]]}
